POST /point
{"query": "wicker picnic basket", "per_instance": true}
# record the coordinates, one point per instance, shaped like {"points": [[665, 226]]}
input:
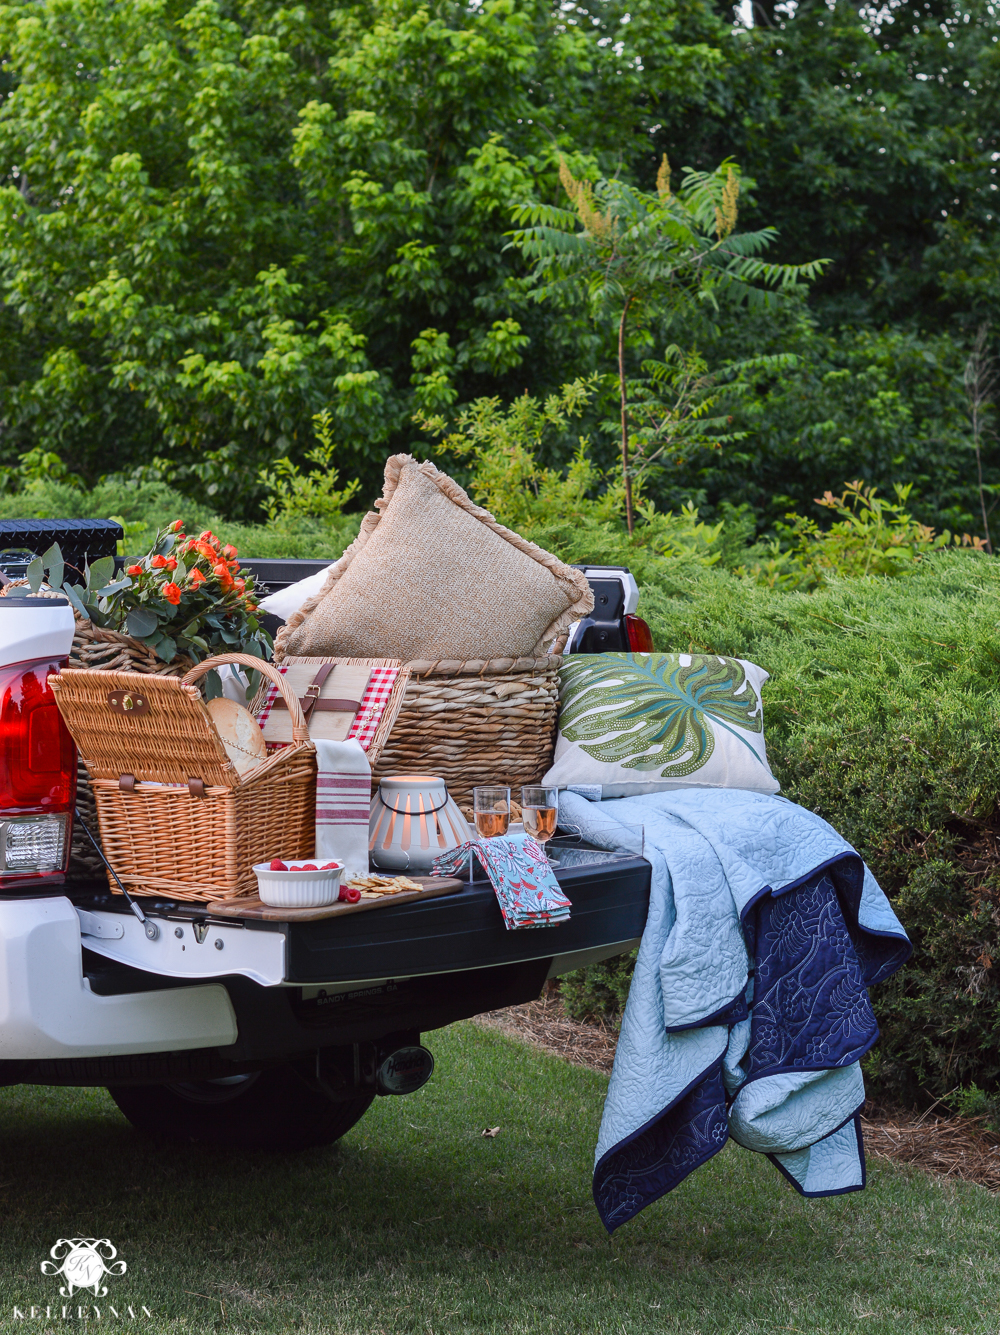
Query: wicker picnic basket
{"points": [[176, 820], [476, 723]]}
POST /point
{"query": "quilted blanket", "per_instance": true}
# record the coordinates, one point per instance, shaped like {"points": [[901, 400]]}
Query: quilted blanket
{"points": [[748, 1012]]}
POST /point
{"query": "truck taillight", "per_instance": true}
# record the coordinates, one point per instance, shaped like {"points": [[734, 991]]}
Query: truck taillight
{"points": [[640, 637], [37, 777]]}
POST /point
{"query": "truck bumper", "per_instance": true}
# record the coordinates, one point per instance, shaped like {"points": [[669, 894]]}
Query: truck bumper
{"points": [[47, 1009]]}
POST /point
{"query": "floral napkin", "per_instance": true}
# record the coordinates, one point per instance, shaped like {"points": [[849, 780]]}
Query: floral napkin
{"points": [[526, 888]]}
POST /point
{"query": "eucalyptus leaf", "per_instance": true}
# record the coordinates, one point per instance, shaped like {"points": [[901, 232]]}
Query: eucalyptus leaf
{"points": [[116, 587], [254, 679], [19, 592], [211, 685], [167, 649], [101, 572], [52, 560], [76, 601], [36, 573], [141, 621]]}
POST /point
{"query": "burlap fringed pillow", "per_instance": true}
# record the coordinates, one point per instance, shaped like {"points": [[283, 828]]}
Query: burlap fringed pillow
{"points": [[434, 576]]}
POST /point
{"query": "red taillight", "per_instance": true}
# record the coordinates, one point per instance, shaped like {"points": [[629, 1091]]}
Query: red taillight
{"points": [[37, 775], [640, 637]]}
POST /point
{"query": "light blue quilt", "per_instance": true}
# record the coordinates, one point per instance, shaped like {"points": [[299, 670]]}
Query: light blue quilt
{"points": [[748, 1012]]}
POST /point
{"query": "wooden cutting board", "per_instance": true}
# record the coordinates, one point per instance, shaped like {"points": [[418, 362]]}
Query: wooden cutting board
{"points": [[251, 906]]}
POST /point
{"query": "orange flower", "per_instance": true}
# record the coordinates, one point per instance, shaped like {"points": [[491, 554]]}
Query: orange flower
{"points": [[251, 607], [172, 593], [208, 536], [230, 551], [176, 526], [133, 570], [159, 563], [240, 585], [203, 549], [171, 563], [196, 577]]}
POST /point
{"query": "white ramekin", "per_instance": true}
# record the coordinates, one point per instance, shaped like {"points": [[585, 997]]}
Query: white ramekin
{"points": [[294, 889]]}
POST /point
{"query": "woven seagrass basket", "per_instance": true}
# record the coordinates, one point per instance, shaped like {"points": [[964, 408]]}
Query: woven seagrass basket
{"points": [[476, 723], [111, 651], [176, 820]]}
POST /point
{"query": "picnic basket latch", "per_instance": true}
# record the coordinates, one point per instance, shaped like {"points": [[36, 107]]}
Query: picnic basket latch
{"points": [[128, 704]]}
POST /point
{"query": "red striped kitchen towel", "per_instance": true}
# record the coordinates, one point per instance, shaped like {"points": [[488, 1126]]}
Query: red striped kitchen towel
{"points": [[343, 803]]}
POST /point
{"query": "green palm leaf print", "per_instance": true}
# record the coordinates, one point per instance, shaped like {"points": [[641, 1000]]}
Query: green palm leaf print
{"points": [[647, 711]]}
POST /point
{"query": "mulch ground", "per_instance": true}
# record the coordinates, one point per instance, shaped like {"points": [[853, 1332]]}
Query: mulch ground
{"points": [[947, 1147]]}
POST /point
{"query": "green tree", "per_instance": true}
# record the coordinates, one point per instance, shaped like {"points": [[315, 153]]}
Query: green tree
{"points": [[636, 257], [217, 219]]}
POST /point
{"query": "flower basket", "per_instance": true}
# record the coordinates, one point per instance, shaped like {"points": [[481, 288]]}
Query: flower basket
{"points": [[106, 650], [476, 723], [176, 819]]}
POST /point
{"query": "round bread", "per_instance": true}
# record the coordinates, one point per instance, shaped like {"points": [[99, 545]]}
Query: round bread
{"points": [[239, 732]]}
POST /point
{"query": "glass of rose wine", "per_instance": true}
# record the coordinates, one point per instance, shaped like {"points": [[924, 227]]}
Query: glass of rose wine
{"points": [[540, 812], [492, 811]]}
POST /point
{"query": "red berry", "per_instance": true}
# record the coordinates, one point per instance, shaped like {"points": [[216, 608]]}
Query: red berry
{"points": [[309, 866], [351, 895], [278, 865], [329, 866]]}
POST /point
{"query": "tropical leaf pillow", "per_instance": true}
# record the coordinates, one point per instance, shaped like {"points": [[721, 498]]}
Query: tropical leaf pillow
{"points": [[642, 723]]}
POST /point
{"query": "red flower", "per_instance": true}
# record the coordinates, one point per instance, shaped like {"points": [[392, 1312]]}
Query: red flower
{"points": [[171, 563], [172, 593], [208, 536], [230, 551], [203, 549], [240, 585], [133, 570], [159, 563], [176, 526], [196, 577]]}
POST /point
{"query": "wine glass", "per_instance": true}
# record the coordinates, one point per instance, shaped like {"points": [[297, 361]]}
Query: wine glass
{"points": [[492, 811], [540, 811]]}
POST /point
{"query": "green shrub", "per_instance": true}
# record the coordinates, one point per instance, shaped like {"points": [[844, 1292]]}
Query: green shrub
{"points": [[600, 991], [872, 536]]}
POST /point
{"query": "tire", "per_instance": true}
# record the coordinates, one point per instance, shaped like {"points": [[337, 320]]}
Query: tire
{"points": [[276, 1109]]}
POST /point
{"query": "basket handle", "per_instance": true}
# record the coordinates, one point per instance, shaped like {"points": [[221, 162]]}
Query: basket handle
{"points": [[300, 729]]}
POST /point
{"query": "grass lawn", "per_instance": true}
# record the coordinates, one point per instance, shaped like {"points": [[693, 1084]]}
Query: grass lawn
{"points": [[416, 1223]]}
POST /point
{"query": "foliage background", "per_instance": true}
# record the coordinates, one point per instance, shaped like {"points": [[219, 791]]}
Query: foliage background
{"points": [[218, 218]]}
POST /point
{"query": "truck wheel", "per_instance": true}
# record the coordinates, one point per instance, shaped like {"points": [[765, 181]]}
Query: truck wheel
{"points": [[276, 1109]]}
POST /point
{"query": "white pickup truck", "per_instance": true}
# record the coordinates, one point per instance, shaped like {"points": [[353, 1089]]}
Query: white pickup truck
{"points": [[250, 1033]]}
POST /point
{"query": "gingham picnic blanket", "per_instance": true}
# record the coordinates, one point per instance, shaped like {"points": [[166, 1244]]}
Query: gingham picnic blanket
{"points": [[368, 717]]}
